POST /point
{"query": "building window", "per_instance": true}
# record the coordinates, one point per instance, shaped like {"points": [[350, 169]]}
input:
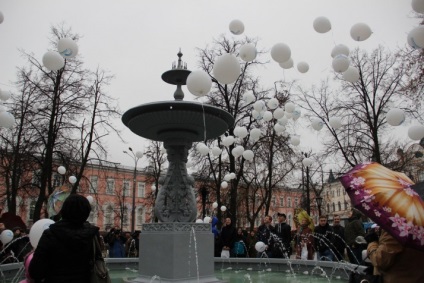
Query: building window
{"points": [[328, 207], [334, 207], [344, 192], [296, 202], [108, 218], [273, 200], [126, 188], [110, 186], [57, 180], [31, 209], [93, 184], [141, 189], [338, 192], [345, 205], [289, 219], [125, 217], [256, 200], [140, 218], [281, 201], [91, 215], [339, 205], [420, 176], [36, 178], [289, 202]]}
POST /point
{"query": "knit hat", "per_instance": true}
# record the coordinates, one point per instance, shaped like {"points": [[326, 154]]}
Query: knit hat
{"points": [[76, 209]]}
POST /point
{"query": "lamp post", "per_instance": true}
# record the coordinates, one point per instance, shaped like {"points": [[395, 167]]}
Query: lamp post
{"points": [[204, 193], [318, 199], [307, 162], [135, 156]]}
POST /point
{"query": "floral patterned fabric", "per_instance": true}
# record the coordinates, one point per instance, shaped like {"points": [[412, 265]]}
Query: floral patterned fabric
{"points": [[387, 198]]}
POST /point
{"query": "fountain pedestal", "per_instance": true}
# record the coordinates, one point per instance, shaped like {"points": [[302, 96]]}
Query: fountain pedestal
{"points": [[176, 252]]}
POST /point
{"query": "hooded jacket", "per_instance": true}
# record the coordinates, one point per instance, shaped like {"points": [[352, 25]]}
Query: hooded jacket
{"points": [[64, 253], [354, 228]]}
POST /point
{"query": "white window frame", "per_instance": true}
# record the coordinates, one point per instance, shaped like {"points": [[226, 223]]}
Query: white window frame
{"points": [[110, 186], [126, 187], [93, 183], [141, 189]]}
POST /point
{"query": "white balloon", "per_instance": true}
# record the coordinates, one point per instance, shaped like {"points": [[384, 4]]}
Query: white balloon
{"points": [[226, 69], [1, 17], [139, 154], [224, 185], [237, 151], [199, 221], [416, 132], [322, 25], [257, 115], [418, 6], [317, 124], [3, 108], [199, 83], [162, 149], [395, 117], [307, 162], [236, 27], [153, 188], [360, 32], [255, 134], [411, 41], [272, 103], [216, 151], [6, 236], [296, 114], [267, 116], [295, 140], [283, 121], [278, 113], [67, 47], [7, 120], [207, 219], [248, 97], [248, 155], [417, 37], [279, 128], [232, 176], [90, 199], [72, 179], [351, 74], [287, 65], [203, 149], [53, 61], [259, 105], [247, 52], [280, 52], [288, 115], [289, 107], [61, 170], [227, 141], [37, 230], [340, 63], [215, 205], [335, 122], [340, 49], [260, 246], [5, 95], [227, 177], [241, 132], [223, 208], [302, 67]]}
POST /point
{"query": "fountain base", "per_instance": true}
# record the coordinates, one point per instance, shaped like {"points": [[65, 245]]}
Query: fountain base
{"points": [[176, 252]]}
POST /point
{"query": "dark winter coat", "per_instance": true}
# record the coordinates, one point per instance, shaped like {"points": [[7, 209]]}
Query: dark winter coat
{"points": [[324, 238], [64, 253], [228, 236], [354, 229], [339, 238]]}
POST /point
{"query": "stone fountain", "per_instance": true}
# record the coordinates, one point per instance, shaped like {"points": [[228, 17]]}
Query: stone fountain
{"points": [[177, 249]]}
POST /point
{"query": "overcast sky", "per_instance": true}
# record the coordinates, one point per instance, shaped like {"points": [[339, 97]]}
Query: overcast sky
{"points": [[138, 40]]}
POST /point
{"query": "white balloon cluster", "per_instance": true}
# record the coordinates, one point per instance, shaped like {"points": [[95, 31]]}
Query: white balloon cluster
{"points": [[229, 176], [202, 148], [237, 151], [227, 141], [55, 60]]}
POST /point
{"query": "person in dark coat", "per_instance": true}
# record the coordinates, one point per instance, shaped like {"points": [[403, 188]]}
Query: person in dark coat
{"points": [[354, 229], [20, 245], [228, 236], [65, 250], [264, 235], [324, 239], [240, 247], [339, 239], [252, 239], [282, 247]]}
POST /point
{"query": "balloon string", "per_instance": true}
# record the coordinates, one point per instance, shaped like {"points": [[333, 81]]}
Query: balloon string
{"points": [[204, 123]]}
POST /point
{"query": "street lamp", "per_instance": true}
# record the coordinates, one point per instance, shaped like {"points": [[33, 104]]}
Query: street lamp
{"points": [[318, 199], [307, 162], [135, 156]]}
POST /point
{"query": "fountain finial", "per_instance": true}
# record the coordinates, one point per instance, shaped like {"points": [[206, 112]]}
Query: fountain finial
{"points": [[177, 76]]}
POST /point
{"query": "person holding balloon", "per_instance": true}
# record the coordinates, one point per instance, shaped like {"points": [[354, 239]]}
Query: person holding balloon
{"points": [[64, 253]]}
